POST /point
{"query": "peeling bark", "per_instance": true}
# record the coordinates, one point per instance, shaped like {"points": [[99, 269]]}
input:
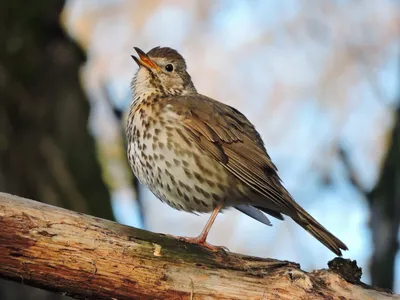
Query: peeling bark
{"points": [[87, 257]]}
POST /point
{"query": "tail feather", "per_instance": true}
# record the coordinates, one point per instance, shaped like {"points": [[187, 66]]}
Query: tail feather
{"points": [[319, 232]]}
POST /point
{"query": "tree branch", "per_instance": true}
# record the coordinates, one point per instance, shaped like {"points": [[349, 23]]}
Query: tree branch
{"points": [[351, 172], [88, 257]]}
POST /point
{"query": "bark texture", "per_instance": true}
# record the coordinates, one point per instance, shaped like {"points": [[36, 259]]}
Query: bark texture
{"points": [[88, 257]]}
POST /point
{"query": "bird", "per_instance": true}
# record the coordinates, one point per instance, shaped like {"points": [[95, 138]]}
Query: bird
{"points": [[200, 155]]}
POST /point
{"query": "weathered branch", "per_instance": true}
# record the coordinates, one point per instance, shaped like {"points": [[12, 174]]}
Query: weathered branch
{"points": [[88, 257]]}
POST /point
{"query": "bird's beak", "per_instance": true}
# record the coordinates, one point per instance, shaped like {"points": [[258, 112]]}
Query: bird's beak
{"points": [[145, 61]]}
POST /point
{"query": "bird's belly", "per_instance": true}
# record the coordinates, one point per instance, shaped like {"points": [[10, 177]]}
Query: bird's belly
{"points": [[176, 170]]}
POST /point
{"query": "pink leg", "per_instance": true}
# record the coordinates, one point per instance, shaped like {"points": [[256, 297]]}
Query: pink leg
{"points": [[201, 239]]}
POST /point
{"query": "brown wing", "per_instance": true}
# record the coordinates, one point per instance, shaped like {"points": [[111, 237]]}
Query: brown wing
{"points": [[227, 134]]}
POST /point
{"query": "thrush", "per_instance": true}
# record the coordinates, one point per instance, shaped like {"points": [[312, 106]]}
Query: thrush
{"points": [[200, 155]]}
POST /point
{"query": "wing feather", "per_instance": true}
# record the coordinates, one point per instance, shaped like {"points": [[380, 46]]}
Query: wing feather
{"points": [[231, 139], [226, 134]]}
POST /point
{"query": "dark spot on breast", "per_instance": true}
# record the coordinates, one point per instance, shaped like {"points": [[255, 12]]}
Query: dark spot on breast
{"points": [[162, 157], [204, 204], [154, 146], [176, 162], [206, 194], [168, 164], [210, 182], [185, 163], [185, 186], [155, 156], [179, 192], [161, 145], [198, 177], [155, 139], [216, 197], [137, 134], [149, 135], [198, 201], [186, 197], [170, 177], [187, 172], [157, 131]]}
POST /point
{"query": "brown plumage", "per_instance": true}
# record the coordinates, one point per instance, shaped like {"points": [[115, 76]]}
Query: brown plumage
{"points": [[198, 154]]}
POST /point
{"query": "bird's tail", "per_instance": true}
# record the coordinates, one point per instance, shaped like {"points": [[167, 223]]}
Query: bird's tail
{"points": [[318, 231]]}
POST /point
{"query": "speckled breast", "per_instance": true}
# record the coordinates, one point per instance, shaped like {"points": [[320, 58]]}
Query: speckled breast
{"points": [[173, 167]]}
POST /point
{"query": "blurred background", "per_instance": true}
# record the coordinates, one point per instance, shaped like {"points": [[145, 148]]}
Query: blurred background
{"points": [[319, 80]]}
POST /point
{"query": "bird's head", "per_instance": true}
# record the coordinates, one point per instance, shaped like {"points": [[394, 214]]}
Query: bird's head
{"points": [[161, 70]]}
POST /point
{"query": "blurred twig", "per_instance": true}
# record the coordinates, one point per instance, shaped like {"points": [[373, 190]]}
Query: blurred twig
{"points": [[351, 172]]}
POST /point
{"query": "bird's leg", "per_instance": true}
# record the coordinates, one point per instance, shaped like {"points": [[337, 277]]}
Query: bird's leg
{"points": [[201, 239]]}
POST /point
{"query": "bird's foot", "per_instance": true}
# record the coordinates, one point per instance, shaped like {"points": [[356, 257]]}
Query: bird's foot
{"points": [[199, 240]]}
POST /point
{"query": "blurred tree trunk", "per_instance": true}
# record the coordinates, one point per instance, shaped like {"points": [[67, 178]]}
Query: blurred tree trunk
{"points": [[46, 151], [384, 202], [384, 207]]}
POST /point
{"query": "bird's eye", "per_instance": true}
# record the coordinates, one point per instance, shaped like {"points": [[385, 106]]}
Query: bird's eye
{"points": [[169, 67]]}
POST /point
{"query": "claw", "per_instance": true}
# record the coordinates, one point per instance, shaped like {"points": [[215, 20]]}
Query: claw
{"points": [[199, 241]]}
